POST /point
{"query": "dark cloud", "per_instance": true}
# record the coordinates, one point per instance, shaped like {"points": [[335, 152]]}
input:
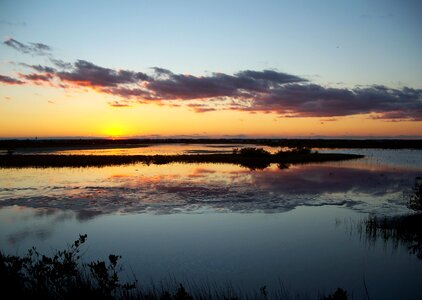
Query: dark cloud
{"points": [[40, 68], [253, 91], [162, 72], [287, 95], [118, 104], [313, 100], [266, 91], [243, 84], [200, 108], [88, 74], [10, 80], [37, 77], [137, 93], [269, 77], [32, 48], [61, 64]]}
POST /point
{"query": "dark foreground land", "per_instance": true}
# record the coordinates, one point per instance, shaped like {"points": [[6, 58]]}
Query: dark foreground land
{"points": [[291, 143], [258, 160], [63, 275]]}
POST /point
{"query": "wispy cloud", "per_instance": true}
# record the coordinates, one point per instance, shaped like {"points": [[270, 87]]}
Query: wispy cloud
{"points": [[39, 68], [34, 77], [119, 104], [267, 91], [31, 48], [88, 74], [61, 64], [9, 80]]}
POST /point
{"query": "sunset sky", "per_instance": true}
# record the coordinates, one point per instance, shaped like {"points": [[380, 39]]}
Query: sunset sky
{"points": [[211, 68]]}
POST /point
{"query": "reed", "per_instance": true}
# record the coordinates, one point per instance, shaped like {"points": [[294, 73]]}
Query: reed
{"points": [[252, 159]]}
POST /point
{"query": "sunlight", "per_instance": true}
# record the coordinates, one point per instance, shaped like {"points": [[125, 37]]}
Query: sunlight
{"points": [[114, 130]]}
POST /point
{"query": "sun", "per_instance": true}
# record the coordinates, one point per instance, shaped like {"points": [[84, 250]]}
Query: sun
{"points": [[114, 130]]}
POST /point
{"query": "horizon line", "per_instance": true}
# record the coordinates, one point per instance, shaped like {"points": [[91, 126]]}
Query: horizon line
{"points": [[222, 137]]}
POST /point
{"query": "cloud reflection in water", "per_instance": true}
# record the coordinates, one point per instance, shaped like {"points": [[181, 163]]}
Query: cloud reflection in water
{"points": [[221, 188]]}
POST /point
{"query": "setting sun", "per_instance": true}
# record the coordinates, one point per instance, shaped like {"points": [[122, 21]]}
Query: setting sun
{"points": [[114, 130]]}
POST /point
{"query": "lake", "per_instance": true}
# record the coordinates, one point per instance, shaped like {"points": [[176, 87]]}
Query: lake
{"points": [[220, 223]]}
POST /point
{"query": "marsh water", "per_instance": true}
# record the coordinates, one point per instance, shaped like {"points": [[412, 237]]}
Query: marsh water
{"points": [[224, 224]]}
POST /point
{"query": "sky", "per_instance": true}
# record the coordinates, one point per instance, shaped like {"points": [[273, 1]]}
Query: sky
{"points": [[211, 68]]}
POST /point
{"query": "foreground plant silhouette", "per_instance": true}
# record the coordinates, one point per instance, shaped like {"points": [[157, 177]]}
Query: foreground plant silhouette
{"points": [[61, 276], [339, 294], [64, 276], [415, 197], [404, 229]]}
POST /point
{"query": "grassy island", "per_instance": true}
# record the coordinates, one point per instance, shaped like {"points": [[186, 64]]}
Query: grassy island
{"points": [[253, 158]]}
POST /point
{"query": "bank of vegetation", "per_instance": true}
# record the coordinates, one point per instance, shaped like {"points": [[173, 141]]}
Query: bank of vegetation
{"points": [[253, 158], [291, 143]]}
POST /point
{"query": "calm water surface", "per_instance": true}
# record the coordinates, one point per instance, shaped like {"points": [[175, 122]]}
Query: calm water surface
{"points": [[163, 149], [220, 223]]}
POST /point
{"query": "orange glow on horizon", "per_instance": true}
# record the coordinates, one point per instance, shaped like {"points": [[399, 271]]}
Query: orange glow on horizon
{"points": [[67, 114], [114, 130]]}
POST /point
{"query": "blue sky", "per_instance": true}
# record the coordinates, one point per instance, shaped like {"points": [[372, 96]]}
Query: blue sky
{"points": [[352, 42]]}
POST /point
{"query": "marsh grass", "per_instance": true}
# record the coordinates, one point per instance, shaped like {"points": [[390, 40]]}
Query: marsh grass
{"points": [[252, 158], [402, 230], [415, 196], [405, 230], [291, 143], [63, 275]]}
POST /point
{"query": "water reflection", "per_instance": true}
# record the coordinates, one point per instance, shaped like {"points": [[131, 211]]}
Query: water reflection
{"points": [[173, 235], [177, 188], [162, 149], [401, 230]]}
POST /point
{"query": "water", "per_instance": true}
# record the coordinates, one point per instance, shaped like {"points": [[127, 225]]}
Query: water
{"points": [[153, 149], [220, 223]]}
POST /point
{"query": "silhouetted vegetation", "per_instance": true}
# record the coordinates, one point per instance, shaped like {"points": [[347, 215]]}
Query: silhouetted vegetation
{"points": [[395, 231], [339, 294], [415, 197], [64, 276], [252, 152], [405, 230], [291, 143], [297, 150], [253, 158], [61, 276]]}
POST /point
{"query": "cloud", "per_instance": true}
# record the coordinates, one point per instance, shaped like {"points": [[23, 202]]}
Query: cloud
{"points": [[85, 73], [39, 68], [270, 77], [136, 93], [10, 80], [313, 100], [37, 77], [118, 104], [31, 48], [266, 91], [61, 64], [213, 189], [243, 84]]}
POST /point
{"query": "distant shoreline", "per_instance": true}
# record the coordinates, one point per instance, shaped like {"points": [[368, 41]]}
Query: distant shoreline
{"points": [[251, 162], [130, 143]]}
